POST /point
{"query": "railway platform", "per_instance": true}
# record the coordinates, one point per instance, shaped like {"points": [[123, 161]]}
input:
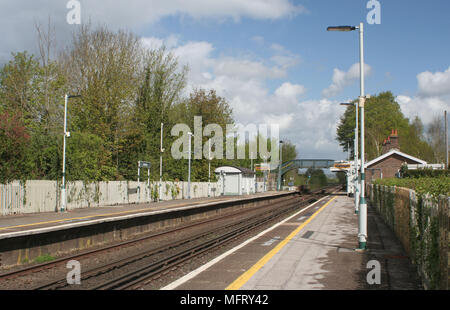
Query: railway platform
{"points": [[22, 224], [314, 249], [27, 237]]}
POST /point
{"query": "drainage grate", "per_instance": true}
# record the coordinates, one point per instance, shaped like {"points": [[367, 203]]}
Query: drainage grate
{"points": [[307, 234]]}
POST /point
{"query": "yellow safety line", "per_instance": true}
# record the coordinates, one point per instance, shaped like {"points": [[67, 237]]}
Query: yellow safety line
{"points": [[91, 216], [239, 282]]}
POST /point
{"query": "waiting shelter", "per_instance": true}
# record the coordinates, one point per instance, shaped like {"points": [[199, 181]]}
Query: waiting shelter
{"points": [[235, 180]]}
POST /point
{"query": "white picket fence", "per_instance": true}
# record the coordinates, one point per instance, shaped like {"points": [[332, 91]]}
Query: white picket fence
{"points": [[44, 196]]}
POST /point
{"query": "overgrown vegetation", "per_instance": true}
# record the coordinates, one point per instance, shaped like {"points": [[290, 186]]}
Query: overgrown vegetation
{"points": [[382, 115], [127, 90], [44, 258], [424, 185], [425, 219]]}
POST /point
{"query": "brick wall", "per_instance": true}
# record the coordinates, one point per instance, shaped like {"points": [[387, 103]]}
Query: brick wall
{"points": [[390, 166]]}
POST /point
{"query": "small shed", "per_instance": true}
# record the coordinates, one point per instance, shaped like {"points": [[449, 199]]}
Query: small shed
{"points": [[236, 180]]}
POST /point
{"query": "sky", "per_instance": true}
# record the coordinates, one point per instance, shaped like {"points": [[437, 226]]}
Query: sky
{"points": [[273, 60]]}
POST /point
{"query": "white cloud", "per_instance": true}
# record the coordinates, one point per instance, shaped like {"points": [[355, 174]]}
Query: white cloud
{"points": [[424, 107], [17, 17], [432, 99], [290, 91], [342, 79], [434, 84], [283, 120], [311, 125], [246, 69], [313, 129]]}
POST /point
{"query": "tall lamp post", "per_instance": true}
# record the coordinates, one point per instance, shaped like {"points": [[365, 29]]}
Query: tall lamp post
{"points": [[209, 168], [160, 162], [279, 167], [356, 151], [189, 167], [446, 139], [362, 234], [66, 135]]}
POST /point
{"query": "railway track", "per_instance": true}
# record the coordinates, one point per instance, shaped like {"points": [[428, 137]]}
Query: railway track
{"points": [[137, 270]]}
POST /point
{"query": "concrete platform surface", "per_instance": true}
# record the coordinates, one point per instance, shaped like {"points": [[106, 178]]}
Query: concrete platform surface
{"points": [[312, 250], [17, 224]]}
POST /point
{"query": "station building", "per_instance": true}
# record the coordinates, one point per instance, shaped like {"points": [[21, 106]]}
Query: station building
{"points": [[235, 180], [389, 163]]}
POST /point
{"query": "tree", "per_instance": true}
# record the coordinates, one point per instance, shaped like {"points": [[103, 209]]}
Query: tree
{"points": [[161, 83], [32, 93], [289, 152], [436, 138], [317, 178], [13, 141], [212, 109], [382, 115], [17, 89], [103, 67]]}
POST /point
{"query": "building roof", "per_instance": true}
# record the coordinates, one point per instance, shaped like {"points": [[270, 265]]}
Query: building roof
{"points": [[234, 170], [391, 152]]}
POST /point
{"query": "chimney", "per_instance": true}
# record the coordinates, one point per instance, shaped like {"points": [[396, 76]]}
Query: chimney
{"points": [[391, 143], [395, 145]]}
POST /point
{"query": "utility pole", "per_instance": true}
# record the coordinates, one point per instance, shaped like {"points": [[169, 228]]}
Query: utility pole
{"points": [[189, 167], [446, 139], [265, 174], [66, 135], [63, 186], [209, 167], [362, 100], [160, 162], [280, 144]]}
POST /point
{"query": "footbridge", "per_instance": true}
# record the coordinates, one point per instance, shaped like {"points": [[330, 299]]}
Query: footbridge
{"points": [[303, 163]]}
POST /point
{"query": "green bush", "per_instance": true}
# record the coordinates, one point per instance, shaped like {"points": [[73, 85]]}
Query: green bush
{"points": [[423, 173], [434, 186]]}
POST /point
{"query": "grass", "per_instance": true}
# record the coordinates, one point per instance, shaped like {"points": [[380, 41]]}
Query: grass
{"points": [[44, 258]]}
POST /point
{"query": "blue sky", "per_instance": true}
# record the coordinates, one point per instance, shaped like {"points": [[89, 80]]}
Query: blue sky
{"points": [[273, 60], [413, 37]]}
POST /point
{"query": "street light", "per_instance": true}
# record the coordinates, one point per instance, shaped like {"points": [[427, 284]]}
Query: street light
{"points": [[209, 168], [160, 162], [279, 167], [357, 175], [189, 166], [342, 28], [362, 235], [66, 135]]}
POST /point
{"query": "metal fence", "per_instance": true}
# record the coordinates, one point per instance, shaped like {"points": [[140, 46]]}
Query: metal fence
{"points": [[12, 198]]}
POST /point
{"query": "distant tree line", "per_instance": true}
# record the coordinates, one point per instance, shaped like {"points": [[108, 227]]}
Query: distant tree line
{"points": [[126, 90]]}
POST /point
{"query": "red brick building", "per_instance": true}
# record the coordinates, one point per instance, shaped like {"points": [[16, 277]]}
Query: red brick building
{"points": [[389, 164]]}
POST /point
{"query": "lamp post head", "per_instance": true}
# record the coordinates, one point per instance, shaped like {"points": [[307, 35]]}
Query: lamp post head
{"points": [[341, 28]]}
